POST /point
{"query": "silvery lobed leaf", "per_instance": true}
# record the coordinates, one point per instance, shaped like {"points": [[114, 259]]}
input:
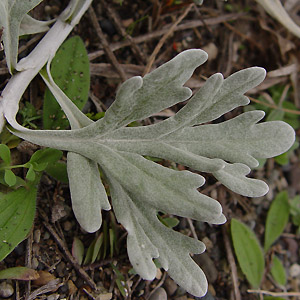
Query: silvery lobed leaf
{"points": [[2, 119], [148, 238], [88, 194], [74, 10], [87, 191], [277, 11], [140, 188], [12, 13], [30, 25]]}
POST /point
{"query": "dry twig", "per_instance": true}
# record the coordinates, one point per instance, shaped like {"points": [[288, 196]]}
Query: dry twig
{"points": [[194, 234], [244, 36], [28, 259], [161, 282], [274, 294], [163, 39], [232, 264], [158, 33], [115, 18], [67, 253], [291, 111], [51, 286], [105, 44]]}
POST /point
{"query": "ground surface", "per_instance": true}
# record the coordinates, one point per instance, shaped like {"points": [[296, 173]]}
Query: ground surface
{"points": [[236, 35]]}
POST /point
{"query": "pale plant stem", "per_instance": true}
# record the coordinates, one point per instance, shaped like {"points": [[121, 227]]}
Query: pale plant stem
{"points": [[29, 66]]}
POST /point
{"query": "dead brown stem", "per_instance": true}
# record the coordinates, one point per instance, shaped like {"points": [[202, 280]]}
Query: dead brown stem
{"points": [[158, 33], [115, 18], [232, 264], [105, 44], [163, 39], [67, 253]]}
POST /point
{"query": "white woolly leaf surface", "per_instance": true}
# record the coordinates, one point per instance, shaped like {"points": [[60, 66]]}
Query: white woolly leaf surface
{"points": [[141, 188], [12, 13]]}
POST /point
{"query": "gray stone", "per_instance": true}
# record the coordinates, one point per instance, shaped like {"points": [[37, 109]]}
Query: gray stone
{"points": [[170, 286], [159, 294], [6, 289], [294, 270], [207, 265]]}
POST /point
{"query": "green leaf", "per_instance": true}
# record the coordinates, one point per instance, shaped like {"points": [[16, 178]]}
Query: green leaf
{"points": [[295, 210], [94, 250], [169, 222], [248, 251], [78, 250], [120, 281], [112, 241], [19, 273], [273, 298], [43, 156], [30, 174], [89, 254], [120, 285], [17, 210], [278, 271], [70, 71], [39, 167], [284, 158], [276, 115], [58, 170], [105, 239], [10, 177], [277, 219], [97, 247], [5, 154], [12, 13]]}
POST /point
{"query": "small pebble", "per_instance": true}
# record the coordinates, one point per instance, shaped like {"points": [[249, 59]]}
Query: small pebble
{"points": [[159, 294], [295, 270], [212, 50], [6, 290], [61, 269], [64, 289], [170, 286], [67, 226], [205, 262], [35, 263], [37, 236], [107, 296], [107, 27], [46, 235]]}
